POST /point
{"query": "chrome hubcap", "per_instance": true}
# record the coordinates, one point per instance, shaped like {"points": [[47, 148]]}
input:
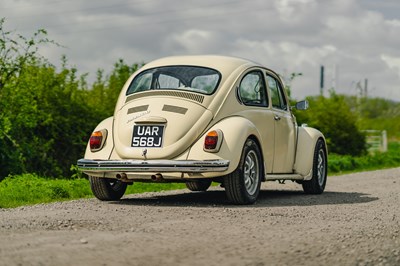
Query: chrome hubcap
{"points": [[251, 172], [321, 167]]}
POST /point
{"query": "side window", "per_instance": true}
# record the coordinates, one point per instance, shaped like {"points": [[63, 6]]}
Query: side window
{"points": [[277, 97], [252, 89]]}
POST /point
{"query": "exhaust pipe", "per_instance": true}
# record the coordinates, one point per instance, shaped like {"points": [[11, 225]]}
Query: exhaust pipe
{"points": [[157, 178], [122, 177]]}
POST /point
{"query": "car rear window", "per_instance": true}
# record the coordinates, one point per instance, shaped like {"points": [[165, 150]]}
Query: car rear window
{"points": [[187, 78]]}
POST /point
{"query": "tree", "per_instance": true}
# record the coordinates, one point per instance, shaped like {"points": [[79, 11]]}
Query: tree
{"points": [[46, 115], [44, 119], [334, 118], [288, 83], [105, 90], [16, 51]]}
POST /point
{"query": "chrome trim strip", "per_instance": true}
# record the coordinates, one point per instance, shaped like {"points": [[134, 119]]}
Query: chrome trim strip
{"points": [[153, 166]]}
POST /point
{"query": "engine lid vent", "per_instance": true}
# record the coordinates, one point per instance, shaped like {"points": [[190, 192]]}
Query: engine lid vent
{"points": [[138, 109], [181, 94], [174, 109]]}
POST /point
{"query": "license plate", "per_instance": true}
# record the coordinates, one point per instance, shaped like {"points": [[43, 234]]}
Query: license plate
{"points": [[145, 136]]}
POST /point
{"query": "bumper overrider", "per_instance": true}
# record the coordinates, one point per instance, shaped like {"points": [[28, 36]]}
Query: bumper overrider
{"points": [[152, 166]]}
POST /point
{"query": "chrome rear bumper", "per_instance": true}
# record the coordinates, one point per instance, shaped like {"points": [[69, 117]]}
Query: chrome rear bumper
{"points": [[152, 166]]}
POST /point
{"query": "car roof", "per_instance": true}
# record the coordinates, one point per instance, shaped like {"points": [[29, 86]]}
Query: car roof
{"points": [[218, 62]]}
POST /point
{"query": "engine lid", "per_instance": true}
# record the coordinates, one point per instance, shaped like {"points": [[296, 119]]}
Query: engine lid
{"points": [[163, 127]]}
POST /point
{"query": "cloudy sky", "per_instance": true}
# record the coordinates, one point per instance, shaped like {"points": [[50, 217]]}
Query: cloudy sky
{"points": [[354, 39]]}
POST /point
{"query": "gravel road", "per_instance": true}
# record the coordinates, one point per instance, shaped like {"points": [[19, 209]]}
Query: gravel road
{"points": [[354, 222]]}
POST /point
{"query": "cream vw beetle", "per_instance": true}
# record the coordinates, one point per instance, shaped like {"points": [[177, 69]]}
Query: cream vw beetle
{"points": [[198, 119]]}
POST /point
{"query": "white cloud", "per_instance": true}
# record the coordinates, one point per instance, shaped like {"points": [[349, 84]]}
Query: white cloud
{"points": [[291, 11], [192, 41], [392, 62], [289, 54], [393, 22], [359, 37]]}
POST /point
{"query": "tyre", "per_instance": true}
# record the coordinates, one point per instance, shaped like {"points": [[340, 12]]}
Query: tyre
{"points": [[107, 189], [243, 185], [198, 185], [319, 171]]}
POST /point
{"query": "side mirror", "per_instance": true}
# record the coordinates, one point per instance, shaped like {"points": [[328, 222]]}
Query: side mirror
{"points": [[302, 105]]}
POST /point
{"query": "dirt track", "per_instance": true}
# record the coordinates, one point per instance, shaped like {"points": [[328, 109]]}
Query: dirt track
{"points": [[355, 222]]}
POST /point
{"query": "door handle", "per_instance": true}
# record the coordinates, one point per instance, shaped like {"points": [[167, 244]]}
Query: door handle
{"points": [[277, 118]]}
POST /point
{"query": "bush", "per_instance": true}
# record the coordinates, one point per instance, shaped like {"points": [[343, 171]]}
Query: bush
{"points": [[347, 163], [334, 118], [47, 115]]}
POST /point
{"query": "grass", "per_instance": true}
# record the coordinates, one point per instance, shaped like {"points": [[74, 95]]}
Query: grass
{"points": [[338, 164], [28, 189]]}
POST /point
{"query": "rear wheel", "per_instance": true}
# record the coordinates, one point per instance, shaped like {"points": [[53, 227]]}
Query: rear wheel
{"points": [[198, 185], [243, 185], [319, 172], [106, 188]]}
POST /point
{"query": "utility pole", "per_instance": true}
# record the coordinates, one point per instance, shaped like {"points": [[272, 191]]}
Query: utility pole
{"points": [[321, 84]]}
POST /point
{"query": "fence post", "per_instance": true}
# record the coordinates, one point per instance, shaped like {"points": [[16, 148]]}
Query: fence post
{"points": [[384, 141]]}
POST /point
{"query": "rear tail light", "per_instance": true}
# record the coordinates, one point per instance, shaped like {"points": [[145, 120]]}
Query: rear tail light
{"points": [[97, 140], [213, 141]]}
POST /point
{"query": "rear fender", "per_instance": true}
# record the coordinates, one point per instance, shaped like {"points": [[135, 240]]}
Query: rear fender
{"points": [[104, 153], [236, 130], [307, 140]]}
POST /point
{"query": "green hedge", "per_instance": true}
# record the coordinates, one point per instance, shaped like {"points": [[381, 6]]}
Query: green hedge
{"points": [[347, 163]]}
